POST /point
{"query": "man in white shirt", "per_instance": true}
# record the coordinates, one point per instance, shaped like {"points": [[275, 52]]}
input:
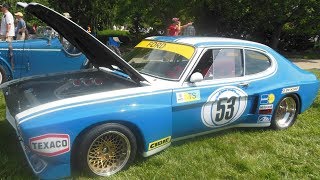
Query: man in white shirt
{"points": [[7, 24]]}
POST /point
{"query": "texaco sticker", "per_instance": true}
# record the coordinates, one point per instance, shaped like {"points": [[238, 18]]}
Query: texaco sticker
{"points": [[50, 144], [224, 106]]}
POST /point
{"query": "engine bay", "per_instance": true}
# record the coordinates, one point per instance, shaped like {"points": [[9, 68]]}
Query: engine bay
{"points": [[34, 92]]}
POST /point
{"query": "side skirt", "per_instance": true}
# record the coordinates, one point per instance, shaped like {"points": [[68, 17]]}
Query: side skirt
{"points": [[152, 152]]}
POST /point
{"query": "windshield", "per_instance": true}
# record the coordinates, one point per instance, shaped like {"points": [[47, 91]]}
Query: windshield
{"points": [[160, 59], [46, 32]]}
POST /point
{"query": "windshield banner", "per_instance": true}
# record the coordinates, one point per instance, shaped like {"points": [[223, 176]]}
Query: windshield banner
{"points": [[183, 50]]}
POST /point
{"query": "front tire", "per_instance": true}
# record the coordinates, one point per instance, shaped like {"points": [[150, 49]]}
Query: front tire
{"points": [[107, 149], [286, 113]]}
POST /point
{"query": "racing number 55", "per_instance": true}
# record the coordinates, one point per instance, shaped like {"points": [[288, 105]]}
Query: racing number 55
{"points": [[225, 108]]}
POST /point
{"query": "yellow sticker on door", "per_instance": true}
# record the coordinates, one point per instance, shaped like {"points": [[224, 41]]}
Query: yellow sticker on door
{"points": [[190, 96], [159, 143]]}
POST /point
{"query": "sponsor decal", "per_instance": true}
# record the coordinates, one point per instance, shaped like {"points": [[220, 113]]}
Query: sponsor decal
{"points": [[264, 119], [159, 143], [267, 98], [265, 109], [50, 144], [156, 45], [183, 50], [224, 106], [290, 90], [184, 97]]}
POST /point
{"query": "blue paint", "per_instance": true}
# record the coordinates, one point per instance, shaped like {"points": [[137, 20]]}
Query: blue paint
{"points": [[158, 114], [38, 56], [152, 109]]}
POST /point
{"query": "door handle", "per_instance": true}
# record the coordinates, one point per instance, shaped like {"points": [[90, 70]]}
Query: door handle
{"points": [[244, 84]]}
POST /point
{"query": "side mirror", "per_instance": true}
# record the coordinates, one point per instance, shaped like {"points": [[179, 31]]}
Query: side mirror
{"points": [[196, 77]]}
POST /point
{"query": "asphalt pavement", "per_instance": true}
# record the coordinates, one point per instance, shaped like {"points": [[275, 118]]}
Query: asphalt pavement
{"points": [[307, 63]]}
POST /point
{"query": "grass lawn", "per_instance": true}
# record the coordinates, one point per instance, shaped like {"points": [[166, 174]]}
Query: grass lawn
{"points": [[231, 154]]}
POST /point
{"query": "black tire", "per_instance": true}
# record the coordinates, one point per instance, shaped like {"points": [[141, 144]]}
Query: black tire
{"points": [[113, 137], [275, 123], [3, 75]]}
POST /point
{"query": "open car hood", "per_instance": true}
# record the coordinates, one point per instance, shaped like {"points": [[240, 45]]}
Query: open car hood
{"points": [[97, 53]]}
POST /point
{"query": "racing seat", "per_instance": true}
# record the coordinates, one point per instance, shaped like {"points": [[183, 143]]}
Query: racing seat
{"points": [[175, 72]]}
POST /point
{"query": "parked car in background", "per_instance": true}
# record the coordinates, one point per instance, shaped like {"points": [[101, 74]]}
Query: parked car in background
{"points": [[173, 88], [46, 53]]}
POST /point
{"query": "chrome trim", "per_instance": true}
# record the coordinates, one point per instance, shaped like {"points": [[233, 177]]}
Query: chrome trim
{"points": [[249, 78], [286, 112]]}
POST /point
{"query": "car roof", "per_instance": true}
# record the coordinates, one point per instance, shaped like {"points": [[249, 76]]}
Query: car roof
{"points": [[207, 41]]}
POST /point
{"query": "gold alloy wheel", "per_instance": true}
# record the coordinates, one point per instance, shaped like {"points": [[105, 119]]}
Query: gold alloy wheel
{"points": [[108, 153], [286, 112]]}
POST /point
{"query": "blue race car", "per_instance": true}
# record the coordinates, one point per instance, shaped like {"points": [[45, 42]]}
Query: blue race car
{"points": [[173, 88], [47, 53]]}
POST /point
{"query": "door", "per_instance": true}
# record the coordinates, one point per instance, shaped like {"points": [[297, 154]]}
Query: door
{"points": [[221, 99], [17, 59]]}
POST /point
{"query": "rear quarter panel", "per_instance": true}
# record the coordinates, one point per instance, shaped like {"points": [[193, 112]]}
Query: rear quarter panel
{"points": [[289, 75]]}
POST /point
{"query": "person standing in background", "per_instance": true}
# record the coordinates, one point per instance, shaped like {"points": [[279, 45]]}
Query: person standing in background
{"points": [[114, 44], [175, 28], [7, 24], [89, 29], [21, 27], [189, 30]]}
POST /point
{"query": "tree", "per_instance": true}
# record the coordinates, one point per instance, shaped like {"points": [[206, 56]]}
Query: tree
{"points": [[265, 21], [259, 20]]}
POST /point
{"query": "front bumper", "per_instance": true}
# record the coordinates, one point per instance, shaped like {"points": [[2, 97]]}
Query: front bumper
{"points": [[44, 168], [11, 120], [37, 164]]}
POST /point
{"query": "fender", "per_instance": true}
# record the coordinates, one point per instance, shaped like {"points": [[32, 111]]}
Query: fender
{"points": [[138, 111]]}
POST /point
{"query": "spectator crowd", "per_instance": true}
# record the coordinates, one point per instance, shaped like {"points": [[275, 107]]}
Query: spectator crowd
{"points": [[12, 28]]}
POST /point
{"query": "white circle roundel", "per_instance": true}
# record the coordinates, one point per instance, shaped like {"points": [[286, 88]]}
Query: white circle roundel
{"points": [[224, 106]]}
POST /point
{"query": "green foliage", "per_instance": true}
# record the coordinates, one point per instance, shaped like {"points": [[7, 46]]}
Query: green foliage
{"points": [[267, 21], [262, 20], [124, 36], [95, 13], [110, 32]]}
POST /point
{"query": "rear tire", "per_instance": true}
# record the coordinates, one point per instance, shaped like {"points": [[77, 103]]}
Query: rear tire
{"points": [[3, 76], [286, 112], [106, 149]]}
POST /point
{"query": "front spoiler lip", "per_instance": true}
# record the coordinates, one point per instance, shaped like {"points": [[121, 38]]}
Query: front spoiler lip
{"points": [[12, 121]]}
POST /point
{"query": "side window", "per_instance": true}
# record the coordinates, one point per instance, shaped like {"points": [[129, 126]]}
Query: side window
{"points": [[256, 62], [221, 63]]}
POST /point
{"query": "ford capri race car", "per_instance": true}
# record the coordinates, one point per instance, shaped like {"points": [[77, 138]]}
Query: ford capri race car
{"points": [[172, 88]]}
